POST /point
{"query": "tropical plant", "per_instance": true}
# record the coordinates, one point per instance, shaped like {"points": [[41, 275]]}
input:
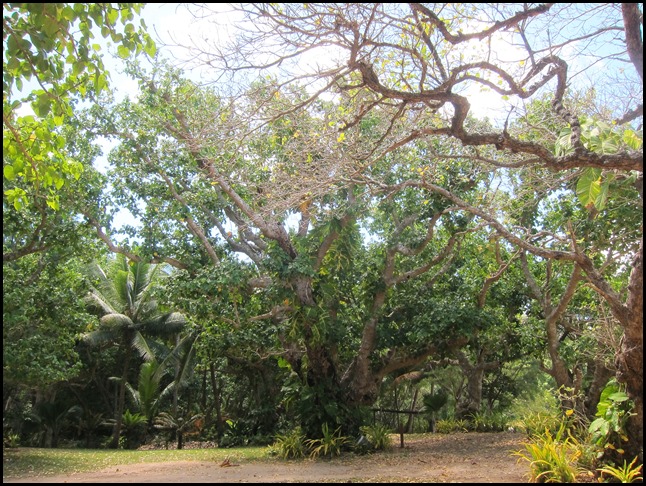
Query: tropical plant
{"points": [[11, 441], [552, 458], [88, 423], [178, 424], [488, 422], [329, 445], [290, 445], [378, 436], [134, 428], [50, 417], [433, 402], [128, 312], [149, 395], [628, 473], [449, 425], [608, 430]]}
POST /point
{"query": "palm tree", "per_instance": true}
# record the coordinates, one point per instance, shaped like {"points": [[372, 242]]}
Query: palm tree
{"points": [[124, 300], [148, 395]]}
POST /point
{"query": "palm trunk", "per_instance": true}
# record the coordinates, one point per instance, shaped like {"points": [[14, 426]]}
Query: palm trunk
{"points": [[116, 431]]}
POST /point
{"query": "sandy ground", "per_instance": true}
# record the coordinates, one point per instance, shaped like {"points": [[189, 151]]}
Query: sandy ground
{"points": [[455, 458]]}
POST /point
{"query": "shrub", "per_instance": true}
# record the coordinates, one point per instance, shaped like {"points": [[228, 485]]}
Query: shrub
{"points": [[488, 422], [11, 440], [378, 435], [628, 473], [290, 445], [448, 426], [552, 457], [608, 430], [329, 445]]}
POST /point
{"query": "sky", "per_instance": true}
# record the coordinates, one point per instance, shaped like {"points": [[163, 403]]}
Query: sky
{"points": [[171, 24]]}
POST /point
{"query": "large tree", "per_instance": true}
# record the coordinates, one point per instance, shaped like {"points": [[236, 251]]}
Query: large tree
{"points": [[327, 288], [423, 64]]}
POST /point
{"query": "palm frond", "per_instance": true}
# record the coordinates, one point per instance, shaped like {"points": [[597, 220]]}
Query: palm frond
{"points": [[121, 283], [142, 276], [159, 350], [100, 336], [134, 395], [144, 283], [105, 287], [142, 346], [96, 300], [178, 353], [117, 322], [166, 324], [168, 390], [150, 375], [186, 367]]}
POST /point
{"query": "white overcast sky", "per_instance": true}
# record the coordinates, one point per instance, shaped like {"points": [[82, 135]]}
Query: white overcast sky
{"points": [[172, 23]]}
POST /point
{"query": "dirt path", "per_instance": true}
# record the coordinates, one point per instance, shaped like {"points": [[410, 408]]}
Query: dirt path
{"points": [[456, 458]]}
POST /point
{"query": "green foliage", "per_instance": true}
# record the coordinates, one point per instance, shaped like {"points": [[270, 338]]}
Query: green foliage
{"points": [[237, 434], [134, 429], [129, 314], [534, 422], [178, 424], [147, 396], [608, 430], [536, 414], [627, 473], [485, 421], [290, 445], [593, 185], [50, 418], [451, 425], [11, 441], [42, 318], [133, 421], [124, 300], [552, 457], [50, 45], [433, 402], [316, 406], [329, 445], [378, 435]]}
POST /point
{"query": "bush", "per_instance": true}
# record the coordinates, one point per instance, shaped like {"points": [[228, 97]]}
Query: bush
{"points": [[378, 436], [488, 422], [552, 457], [290, 445], [448, 426], [608, 430], [329, 445], [628, 473]]}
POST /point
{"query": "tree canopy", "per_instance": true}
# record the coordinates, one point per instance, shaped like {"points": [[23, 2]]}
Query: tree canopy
{"points": [[337, 212]]}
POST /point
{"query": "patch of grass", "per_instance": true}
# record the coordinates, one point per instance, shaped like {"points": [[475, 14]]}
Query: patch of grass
{"points": [[27, 461]]}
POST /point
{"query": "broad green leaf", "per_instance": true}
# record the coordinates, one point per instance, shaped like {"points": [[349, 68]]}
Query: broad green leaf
{"points": [[123, 51], [9, 173], [588, 188], [150, 47], [53, 203], [632, 140]]}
